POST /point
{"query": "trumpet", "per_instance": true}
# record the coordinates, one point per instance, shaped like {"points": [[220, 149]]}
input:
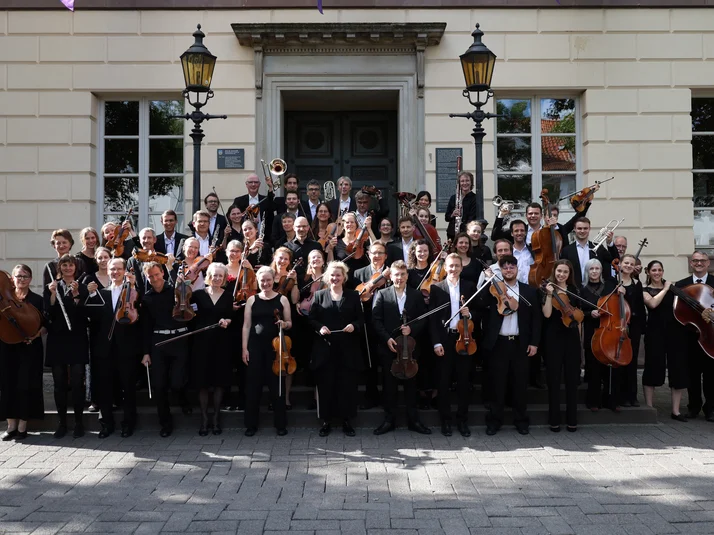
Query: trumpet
{"points": [[601, 238], [504, 205], [329, 191]]}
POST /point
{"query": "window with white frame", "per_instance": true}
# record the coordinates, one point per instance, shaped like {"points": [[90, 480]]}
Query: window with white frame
{"points": [[703, 170], [536, 148], [141, 160]]}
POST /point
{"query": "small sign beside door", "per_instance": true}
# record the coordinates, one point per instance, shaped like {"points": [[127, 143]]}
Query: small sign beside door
{"points": [[231, 158], [445, 176]]}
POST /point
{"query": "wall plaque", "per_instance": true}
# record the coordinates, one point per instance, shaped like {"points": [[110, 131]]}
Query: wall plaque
{"points": [[231, 158]]}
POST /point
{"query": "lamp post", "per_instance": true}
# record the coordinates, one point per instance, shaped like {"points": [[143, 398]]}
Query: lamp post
{"points": [[477, 63], [198, 64]]}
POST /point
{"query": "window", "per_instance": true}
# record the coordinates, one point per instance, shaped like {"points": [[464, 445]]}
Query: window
{"points": [[536, 154], [141, 161], [703, 170]]}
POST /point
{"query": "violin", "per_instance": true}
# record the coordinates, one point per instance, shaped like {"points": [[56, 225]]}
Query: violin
{"points": [[332, 230], [507, 302], [121, 234], [182, 310], [356, 247], [611, 344], [142, 255], [304, 307], [404, 366], [201, 263], [466, 344], [19, 320], [284, 362], [246, 285], [286, 284], [546, 245], [126, 305], [437, 273], [572, 316], [378, 280], [585, 196]]}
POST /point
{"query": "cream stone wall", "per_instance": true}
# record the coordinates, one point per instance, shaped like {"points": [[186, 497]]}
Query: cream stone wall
{"points": [[634, 71]]}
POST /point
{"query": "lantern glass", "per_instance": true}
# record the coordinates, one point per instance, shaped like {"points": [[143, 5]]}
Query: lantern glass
{"points": [[477, 64], [198, 64]]}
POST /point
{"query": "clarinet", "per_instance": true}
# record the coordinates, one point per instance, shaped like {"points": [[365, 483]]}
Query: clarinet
{"points": [[261, 235], [59, 298], [458, 218]]}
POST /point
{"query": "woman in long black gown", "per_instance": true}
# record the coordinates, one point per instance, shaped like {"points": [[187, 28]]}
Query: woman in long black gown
{"points": [[632, 289], [21, 368], [67, 349], [211, 355]]}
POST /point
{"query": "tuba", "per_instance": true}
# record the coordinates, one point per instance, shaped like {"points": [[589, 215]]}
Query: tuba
{"points": [[329, 191]]}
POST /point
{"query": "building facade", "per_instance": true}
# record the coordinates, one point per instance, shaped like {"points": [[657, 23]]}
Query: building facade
{"points": [[585, 94]]}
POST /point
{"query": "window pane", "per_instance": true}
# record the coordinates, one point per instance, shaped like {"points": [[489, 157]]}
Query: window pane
{"points": [[517, 116], [155, 223], [703, 227], [703, 114], [120, 194], [513, 153], [557, 115], [121, 118], [121, 156], [160, 120], [703, 152], [516, 188], [165, 193], [703, 190], [558, 153], [166, 156], [559, 186]]}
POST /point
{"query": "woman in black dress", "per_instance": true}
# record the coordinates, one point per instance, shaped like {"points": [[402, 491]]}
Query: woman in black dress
{"points": [[478, 247], [235, 220], [472, 267], [632, 289], [21, 368], [349, 222], [211, 356], [90, 241], [336, 357], [259, 330], [598, 374], [386, 231], [62, 242], [562, 348], [661, 354], [67, 341]]}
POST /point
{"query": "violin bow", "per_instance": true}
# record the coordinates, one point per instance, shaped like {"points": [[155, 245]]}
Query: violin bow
{"points": [[500, 279], [188, 334], [585, 300], [446, 323]]}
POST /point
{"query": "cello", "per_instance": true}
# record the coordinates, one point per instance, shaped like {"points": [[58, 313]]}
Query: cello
{"points": [[611, 344], [19, 320], [404, 366], [546, 245]]}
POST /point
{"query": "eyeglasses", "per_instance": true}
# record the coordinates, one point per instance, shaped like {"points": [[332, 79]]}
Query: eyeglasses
{"points": [[700, 261], [22, 277]]}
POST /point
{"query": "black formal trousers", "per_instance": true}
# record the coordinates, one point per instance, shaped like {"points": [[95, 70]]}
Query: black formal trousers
{"points": [[336, 389], [390, 393], [507, 359], [259, 373], [105, 368], [701, 378], [62, 375], [628, 374], [169, 370], [562, 361], [453, 365]]}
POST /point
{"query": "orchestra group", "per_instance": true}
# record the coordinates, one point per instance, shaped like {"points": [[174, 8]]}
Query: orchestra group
{"points": [[332, 286]]}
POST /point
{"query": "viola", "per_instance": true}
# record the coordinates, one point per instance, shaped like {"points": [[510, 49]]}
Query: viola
{"points": [[404, 366], [126, 312], [286, 284], [466, 344], [611, 344], [284, 363], [182, 310], [116, 243], [437, 273], [304, 307], [201, 263], [546, 245], [356, 247], [19, 320], [378, 280], [572, 316], [689, 304], [507, 303], [142, 255], [246, 285], [581, 199]]}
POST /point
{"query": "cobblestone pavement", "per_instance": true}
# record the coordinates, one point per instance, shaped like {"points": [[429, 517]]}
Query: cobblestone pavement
{"points": [[607, 480]]}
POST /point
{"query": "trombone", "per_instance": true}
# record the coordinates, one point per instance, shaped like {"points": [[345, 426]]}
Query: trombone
{"points": [[502, 204], [277, 168], [601, 238]]}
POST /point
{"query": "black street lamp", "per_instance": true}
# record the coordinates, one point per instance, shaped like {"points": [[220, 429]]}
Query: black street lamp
{"points": [[198, 64], [477, 63]]}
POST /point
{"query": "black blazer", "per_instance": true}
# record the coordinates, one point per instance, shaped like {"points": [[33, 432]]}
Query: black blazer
{"points": [[438, 295], [128, 337], [344, 347], [499, 232], [604, 254], [160, 246], [267, 207], [395, 251], [386, 318], [277, 234], [334, 205], [530, 318], [469, 212], [709, 281]]}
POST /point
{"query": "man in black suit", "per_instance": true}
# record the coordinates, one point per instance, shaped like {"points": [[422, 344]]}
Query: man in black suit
{"points": [[509, 342], [291, 183], [580, 251], [343, 202], [444, 338], [216, 221], [313, 201], [534, 216], [377, 264], [363, 201], [469, 209], [267, 206], [399, 248], [701, 366], [389, 305], [302, 245], [292, 206], [121, 353], [167, 242]]}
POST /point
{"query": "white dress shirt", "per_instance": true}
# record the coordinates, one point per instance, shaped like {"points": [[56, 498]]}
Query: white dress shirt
{"points": [[116, 293], [405, 249], [455, 298], [583, 257], [401, 300], [525, 261], [495, 268], [509, 327], [699, 280], [204, 245], [361, 218], [313, 208], [344, 206], [170, 243]]}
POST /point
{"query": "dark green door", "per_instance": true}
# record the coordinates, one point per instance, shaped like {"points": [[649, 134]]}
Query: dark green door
{"points": [[358, 144]]}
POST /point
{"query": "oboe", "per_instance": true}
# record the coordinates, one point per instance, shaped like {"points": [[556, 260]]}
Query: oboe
{"points": [[59, 297], [457, 204]]}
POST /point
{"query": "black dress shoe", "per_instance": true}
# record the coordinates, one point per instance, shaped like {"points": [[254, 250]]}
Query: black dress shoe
{"points": [[522, 430], [385, 427], [491, 430], [21, 435], [368, 404], [347, 428], [7, 436], [106, 431], [61, 431], [710, 417], [282, 432], [463, 429], [250, 431], [572, 428], [538, 385], [166, 431], [420, 428], [186, 409], [325, 429], [679, 417], [312, 405], [127, 431], [626, 404], [446, 429], [78, 430], [692, 415], [635, 403], [555, 428], [217, 429], [203, 430]]}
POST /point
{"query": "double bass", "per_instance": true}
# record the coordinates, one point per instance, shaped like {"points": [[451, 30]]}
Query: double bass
{"points": [[19, 321], [546, 245], [611, 344]]}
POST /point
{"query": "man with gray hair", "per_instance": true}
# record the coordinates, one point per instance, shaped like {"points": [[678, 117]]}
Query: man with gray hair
{"points": [[344, 203]]}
